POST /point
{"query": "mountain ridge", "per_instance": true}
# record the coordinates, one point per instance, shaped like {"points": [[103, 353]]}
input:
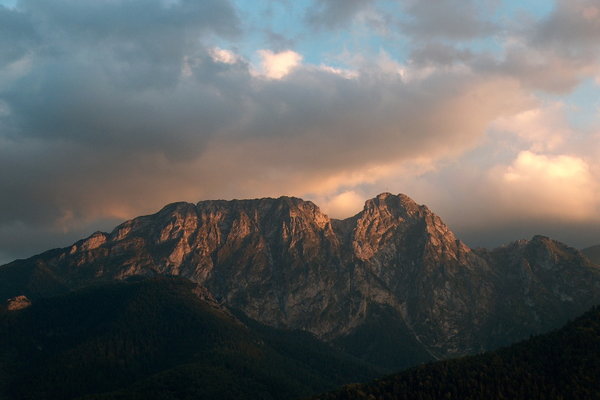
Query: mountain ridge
{"points": [[288, 265]]}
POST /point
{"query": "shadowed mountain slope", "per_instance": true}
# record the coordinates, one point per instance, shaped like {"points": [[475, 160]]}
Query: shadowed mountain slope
{"points": [[563, 364], [158, 339]]}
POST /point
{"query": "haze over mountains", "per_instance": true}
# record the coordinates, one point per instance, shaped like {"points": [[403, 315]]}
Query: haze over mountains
{"points": [[391, 285], [593, 253]]}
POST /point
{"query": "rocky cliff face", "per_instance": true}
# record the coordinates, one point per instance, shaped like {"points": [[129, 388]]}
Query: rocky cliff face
{"points": [[286, 264]]}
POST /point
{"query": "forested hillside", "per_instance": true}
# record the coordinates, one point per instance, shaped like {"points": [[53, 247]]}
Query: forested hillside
{"points": [[158, 339], [560, 365]]}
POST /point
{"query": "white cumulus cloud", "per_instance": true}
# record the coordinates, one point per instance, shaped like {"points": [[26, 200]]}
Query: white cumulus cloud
{"points": [[278, 65], [561, 186]]}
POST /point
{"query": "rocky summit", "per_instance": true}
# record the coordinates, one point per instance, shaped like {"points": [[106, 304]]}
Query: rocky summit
{"points": [[392, 284]]}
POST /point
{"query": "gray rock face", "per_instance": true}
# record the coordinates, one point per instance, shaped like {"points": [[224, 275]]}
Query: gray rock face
{"points": [[284, 263]]}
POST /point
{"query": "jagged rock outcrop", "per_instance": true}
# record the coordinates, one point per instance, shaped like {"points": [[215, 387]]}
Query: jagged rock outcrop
{"points": [[284, 263], [17, 303]]}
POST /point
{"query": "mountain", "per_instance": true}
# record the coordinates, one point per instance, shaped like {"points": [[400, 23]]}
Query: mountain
{"points": [[158, 338], [391, 285], [564, 364], [593, 253], [541, 282]]}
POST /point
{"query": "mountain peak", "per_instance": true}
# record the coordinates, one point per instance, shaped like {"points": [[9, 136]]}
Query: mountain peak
{"points": [[400, 204], [383, 196]]}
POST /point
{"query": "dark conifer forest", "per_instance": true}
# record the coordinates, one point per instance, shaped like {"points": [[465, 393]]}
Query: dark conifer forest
{"points": [[561, 365], [156, 339]]}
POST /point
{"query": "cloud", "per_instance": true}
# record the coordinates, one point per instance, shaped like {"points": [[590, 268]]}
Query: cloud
{"points": [[531, 174], [440, 54], [278, 65], [553, 53], [223, 56], [335, 14], [540, 128], [17, 35], [109, 110], [527, 194], [421, 21], [343, 204], [106, 149], [556, 52], [558, 186], [573, 29], [448, 19], [128, 21], [543, 68]]}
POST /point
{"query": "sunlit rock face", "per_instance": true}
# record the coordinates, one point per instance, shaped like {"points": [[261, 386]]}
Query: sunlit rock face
{"points": [[284, 263], [17, 303], [435, 280]]}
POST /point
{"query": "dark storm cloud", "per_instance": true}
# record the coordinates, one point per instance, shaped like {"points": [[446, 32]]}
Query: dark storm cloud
{"points": [[78, 101], [109, 72]]}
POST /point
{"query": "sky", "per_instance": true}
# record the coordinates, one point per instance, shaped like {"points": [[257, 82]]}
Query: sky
{"points": [[486, 111]]}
